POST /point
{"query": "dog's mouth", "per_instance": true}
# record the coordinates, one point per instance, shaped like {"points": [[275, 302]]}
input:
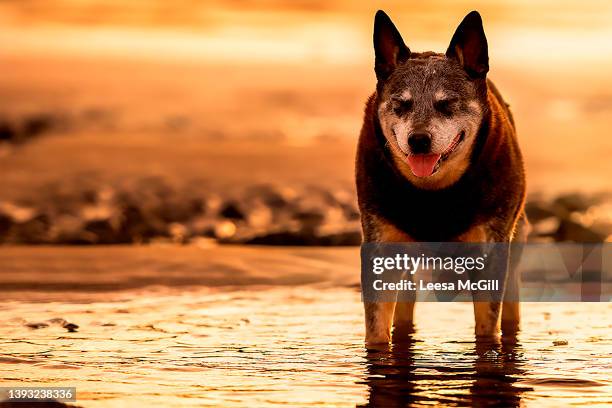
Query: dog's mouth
{"points": [[424, 165]]}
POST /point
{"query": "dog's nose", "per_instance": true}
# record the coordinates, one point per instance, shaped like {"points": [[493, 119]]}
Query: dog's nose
{"points": [[419, 142]]}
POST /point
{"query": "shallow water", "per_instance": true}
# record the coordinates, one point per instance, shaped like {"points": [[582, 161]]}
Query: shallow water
{"points": [[297, 345]]}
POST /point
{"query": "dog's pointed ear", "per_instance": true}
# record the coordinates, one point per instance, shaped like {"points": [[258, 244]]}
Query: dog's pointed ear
{"points": [[389, 46], [469, 46]]}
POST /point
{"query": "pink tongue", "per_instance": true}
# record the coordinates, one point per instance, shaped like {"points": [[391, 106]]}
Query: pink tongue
{"points": [[422, 165]]}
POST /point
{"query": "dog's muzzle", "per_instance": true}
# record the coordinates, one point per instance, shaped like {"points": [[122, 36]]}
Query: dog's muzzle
{"points": [[450, 149]]}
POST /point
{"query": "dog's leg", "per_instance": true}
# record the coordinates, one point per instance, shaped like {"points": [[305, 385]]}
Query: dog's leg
{"points": [[511, 313], [403, 325], [378, 319], [382, 315], [487, 316], [403, 318]]}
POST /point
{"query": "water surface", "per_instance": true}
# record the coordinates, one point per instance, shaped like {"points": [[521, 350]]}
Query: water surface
{"points": [[265, 345]]}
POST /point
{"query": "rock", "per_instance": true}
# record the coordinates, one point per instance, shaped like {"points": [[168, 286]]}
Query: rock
{"points": [[576, 202], [178, 233], [159, 202], [68, 229], [180, 208], [310, 210], [202, 226], [272, 196], [212, 204], [5, 225], [19, 130], [96, 212], [71, 327], [7, 132], [83, 211], [259, 215], [57, 320], [233, 211], [347, 201], [68, 197], [32, 231], [572, 231], [37, 124], [345, 237], [310, 219], [538, 210], [224, 230], [102, 230], [102, 222], [251, 210], [295, 234], [36, 325], [140, 225], [545, 227], [597, 218], [18, 214], [601, 228]]}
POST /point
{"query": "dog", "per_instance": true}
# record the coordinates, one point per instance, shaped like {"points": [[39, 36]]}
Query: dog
{"points": [[438, 161]]}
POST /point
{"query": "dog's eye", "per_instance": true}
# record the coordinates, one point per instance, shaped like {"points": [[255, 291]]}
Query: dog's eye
{"points": [[444, 106], [403, 106]]}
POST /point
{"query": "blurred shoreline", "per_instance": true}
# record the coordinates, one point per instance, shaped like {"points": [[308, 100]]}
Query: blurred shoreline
{"points": [[153, 209]]}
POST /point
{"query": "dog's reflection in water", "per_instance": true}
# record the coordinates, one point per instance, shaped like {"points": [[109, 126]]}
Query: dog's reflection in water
{"points": [[484, 375]]}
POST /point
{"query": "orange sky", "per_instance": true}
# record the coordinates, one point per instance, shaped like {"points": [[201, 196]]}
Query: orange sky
{"points": [[303, 31]]}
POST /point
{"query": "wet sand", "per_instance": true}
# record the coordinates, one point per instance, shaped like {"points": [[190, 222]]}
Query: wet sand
{"points": [[49, 273], [235, 326]]}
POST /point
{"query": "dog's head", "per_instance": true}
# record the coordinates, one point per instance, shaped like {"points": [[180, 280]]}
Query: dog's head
{"points": [[430, 106]]}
